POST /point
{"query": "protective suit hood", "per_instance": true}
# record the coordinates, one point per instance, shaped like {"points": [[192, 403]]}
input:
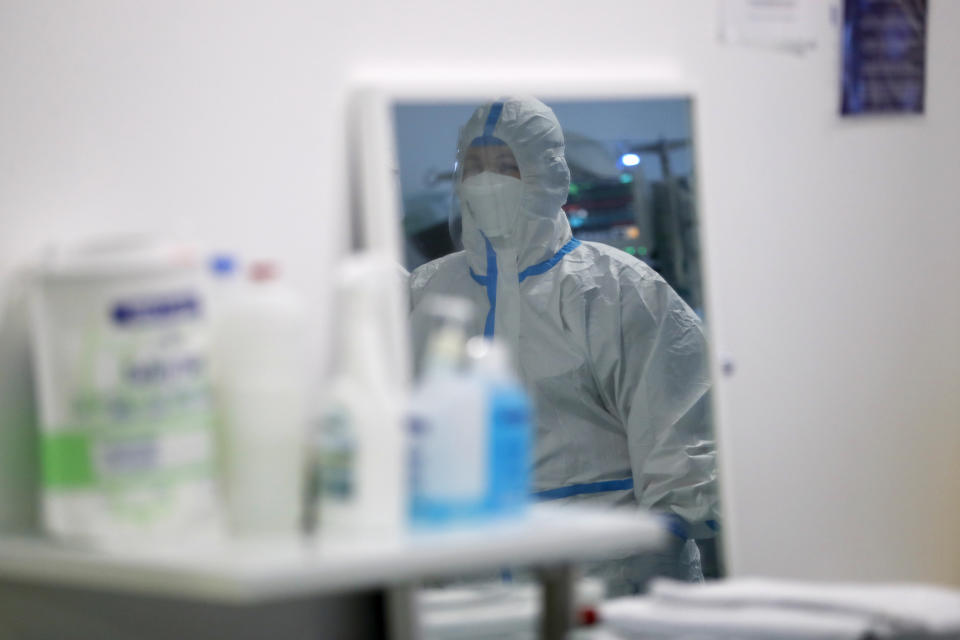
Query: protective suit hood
{"points": [[532, 132]]}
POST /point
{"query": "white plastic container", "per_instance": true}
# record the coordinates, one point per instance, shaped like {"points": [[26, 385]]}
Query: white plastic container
{"points": [[262, 396], [226, 285], [361, 441], [121, 352]]}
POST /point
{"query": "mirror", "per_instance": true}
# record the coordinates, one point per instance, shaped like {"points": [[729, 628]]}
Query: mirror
{"points": [[571, 225]]}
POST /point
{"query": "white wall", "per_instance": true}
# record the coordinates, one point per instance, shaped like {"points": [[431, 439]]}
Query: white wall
{"points": [[830, 243]]}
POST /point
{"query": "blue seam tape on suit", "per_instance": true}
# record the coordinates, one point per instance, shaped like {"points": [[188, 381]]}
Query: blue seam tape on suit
{"points": [[672, 523], [480, 280], [491, 278], [487, 139], [495, 110], [583, 489], [546, 265]]}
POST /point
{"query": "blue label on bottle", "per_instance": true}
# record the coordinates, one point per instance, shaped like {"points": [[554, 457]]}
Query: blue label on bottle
{"points": [[510, 450], [153, 310], [506, 490], [418, 428]]}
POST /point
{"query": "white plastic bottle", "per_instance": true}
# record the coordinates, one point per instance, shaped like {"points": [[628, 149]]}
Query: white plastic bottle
{"points": [[225, 285], [262, 393], [449, 475], [361, 441]]}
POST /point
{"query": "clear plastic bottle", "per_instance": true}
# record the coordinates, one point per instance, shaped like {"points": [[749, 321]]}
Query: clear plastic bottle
{"points": [[449, 474], [225, 285], [509, 427]]}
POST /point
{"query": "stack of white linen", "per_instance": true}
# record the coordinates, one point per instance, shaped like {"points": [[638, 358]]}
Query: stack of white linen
{"points": [[763, 608]]}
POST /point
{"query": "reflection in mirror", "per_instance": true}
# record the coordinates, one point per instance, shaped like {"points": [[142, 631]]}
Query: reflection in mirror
{"points": [[572, 229]]}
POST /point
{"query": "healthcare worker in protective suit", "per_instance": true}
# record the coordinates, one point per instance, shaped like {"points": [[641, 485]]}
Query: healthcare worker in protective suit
{"points": [[615, 361]]}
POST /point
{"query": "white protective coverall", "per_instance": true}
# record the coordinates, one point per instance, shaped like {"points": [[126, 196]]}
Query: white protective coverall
{"points": [[615, 361]]}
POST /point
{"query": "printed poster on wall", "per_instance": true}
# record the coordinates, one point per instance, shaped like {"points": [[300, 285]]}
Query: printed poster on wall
{"points": [[884, 56]]}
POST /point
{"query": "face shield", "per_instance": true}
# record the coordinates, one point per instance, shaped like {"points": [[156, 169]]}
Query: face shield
{"points": [[489, 188]]}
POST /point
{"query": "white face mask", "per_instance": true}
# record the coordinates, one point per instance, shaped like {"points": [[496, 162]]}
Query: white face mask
{"points": [[494, 201]]}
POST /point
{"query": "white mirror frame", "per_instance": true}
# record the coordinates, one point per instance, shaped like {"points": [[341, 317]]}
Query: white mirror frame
{"points": [[376, 183]]}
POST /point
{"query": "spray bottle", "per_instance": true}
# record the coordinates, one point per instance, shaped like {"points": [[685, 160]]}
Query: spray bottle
{"points": [[359, 445]]}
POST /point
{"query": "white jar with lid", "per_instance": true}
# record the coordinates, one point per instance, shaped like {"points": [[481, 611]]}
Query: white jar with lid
{"points": [[121, 353]]}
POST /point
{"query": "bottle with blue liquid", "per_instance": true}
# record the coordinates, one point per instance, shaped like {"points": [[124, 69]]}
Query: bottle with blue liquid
{"points": [[509, 420], [447, 464], [469, 429]]}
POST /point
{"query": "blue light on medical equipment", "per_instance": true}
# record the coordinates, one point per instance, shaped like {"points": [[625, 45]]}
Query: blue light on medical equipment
{"points": [[630, 159]]}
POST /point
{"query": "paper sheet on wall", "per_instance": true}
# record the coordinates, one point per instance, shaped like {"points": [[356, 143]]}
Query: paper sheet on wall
{"points": [[793, 26]]}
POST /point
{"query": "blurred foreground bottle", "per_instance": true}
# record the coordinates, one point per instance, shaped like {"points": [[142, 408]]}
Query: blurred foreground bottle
{"points": [[448, 454], [470, 423], [359, 447], [509, 427], [261, 347]]}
